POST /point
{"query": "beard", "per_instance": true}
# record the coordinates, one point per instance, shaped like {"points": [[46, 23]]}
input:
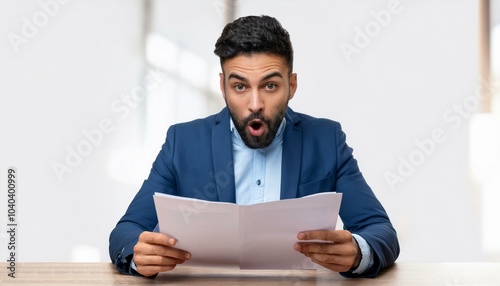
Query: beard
{"points": [[270, 125]]}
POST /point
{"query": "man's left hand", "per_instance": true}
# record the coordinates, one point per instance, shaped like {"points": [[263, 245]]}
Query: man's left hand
{"points": [[339, 251]]}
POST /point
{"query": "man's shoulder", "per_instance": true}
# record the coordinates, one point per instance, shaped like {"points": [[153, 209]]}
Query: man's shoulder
{"points": [[206, 122], [309, 122], [199, 122]]}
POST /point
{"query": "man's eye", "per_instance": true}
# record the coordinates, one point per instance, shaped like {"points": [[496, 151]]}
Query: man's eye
{"points": [[270, 86], [239, 87]]}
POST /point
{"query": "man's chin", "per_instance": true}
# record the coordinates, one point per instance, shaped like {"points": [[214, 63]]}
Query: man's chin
{"points": [[257, 142]]}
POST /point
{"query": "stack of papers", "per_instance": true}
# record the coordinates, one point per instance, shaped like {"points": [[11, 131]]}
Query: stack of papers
{"points": [[259, 236]]}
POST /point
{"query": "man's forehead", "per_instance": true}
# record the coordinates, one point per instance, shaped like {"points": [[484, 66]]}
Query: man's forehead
{"points": [[255, 65]]}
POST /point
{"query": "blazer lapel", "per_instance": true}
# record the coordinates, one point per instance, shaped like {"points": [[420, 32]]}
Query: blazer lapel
{"points": [[291, 157], [222, 154]]}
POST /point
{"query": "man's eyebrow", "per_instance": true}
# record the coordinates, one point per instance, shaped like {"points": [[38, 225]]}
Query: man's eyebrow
{"points": [[271, 75], [236, 76], [242, 78]]}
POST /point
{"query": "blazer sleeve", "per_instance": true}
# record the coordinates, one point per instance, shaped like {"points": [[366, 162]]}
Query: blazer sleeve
{"points": [[361, 211], [141, 214]]}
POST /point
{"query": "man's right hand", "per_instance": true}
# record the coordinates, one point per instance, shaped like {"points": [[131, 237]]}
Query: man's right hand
{"points": [[154, 253]]}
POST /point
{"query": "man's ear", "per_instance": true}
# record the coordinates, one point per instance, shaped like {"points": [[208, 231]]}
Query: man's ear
{"points": [[221, 76], [293, 85]]}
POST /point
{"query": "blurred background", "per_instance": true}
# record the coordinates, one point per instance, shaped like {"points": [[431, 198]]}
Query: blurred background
{"points": [[89, 88]]}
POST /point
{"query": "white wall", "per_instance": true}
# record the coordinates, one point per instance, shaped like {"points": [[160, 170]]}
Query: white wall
{"points": [[63, 81], [394, 92]]}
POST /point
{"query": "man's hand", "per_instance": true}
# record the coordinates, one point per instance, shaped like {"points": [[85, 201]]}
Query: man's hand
{"points": [[154, 253], [339, 253]]}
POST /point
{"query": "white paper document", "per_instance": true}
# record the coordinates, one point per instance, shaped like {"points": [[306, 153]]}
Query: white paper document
{"points": [[259, 236]]}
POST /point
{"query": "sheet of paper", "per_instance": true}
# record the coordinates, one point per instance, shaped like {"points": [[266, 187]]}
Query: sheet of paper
{"points": [[270, 230], [206, 229], [259, 236]]}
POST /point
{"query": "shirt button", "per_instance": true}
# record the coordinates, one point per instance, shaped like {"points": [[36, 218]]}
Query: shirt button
{"points": [[258, 182]]}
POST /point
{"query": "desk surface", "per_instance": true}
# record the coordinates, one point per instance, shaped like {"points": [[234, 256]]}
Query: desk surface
{"points": [[105, 274]]}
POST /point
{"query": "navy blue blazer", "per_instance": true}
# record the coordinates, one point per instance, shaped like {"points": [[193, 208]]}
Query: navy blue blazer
{"points": [[197, 161]]}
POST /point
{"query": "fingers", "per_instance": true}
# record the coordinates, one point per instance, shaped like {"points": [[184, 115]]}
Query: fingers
{"points": [[326, 235], [144, 249], [318, 247], [156, 260], [154, 253], [335, 250], [157, 238], [148, 265], [153, 243], [338, 266], [150, 270], [337, 257], [347, 248]]}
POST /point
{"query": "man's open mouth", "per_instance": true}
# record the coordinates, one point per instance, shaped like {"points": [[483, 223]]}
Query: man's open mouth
{"points": [[256, 127]]}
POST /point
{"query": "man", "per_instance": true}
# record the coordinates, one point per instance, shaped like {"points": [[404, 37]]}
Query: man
{"points": [[258, 150]]}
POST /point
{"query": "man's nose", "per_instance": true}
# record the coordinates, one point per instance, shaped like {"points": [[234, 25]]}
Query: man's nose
{"points": [[256, 103]]}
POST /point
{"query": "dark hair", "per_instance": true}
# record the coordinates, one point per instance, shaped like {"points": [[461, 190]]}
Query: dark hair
{"points": [[253, 35]]}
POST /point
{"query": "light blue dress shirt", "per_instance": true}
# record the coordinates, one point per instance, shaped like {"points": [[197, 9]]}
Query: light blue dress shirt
{"points": [[257, 172]]}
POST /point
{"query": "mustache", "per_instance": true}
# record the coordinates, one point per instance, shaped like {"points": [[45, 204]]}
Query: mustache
{"points": [[253, 116]]}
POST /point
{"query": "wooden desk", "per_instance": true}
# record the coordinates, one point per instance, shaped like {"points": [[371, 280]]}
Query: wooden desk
{"points": [[105, 274]]}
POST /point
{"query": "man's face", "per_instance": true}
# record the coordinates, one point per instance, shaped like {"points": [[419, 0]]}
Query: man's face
{"points": [[257, 89]]}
